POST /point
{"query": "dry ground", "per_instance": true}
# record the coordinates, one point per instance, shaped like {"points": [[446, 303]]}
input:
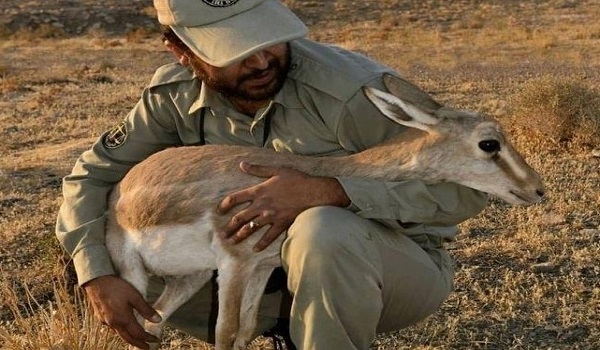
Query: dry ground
{"points": [[527, 278]]}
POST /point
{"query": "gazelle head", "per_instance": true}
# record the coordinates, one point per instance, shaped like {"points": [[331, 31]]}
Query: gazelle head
{"points": [[468, 148]]}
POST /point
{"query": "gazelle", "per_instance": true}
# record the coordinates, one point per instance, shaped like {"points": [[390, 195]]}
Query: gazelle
{"points": [[163, 221]]}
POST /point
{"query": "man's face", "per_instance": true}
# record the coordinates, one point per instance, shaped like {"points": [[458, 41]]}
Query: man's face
{"points": [[256, 78]]}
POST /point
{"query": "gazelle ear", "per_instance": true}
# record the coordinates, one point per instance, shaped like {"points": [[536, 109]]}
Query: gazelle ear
{"points": [[399, 111], [409, 92]]}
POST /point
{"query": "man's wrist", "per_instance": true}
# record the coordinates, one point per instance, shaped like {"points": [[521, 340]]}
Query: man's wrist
{"points": [[338, 196], [99, 279], [92, 262]]}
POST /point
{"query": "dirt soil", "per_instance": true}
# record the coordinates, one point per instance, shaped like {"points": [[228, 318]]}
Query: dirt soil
{"points": [[116, 17]]}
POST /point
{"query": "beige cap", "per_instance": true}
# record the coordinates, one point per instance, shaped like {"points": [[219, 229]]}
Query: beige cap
{"points": [[222, 32]]}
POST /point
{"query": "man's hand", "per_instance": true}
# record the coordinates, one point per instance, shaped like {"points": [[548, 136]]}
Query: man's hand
{"points": [[113, 300], [277, 201]]}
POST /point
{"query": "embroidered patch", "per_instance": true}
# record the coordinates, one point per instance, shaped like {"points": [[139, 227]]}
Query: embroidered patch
{"points": [[220, 3], [116, 136]]}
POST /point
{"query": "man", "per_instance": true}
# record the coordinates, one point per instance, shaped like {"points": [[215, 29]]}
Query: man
{"points": [[361, 256]]}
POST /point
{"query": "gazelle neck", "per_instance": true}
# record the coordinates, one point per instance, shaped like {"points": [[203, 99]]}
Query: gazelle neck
{"points": [[399, 158]]}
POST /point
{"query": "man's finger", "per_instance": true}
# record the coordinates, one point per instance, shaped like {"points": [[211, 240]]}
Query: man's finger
{"points": [[136, 331], [133, 332], [271, 235], [233, 199], [145, 310], [236, 223], [245, 231], [124, 334], [258, 170]]}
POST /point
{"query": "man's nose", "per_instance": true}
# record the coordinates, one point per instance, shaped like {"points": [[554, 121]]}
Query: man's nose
{"points": [[257, 61]]}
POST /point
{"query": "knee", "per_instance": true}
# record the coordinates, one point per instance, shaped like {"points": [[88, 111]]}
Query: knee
{"points": [[323, 234], [327, 245], [317, 229]]}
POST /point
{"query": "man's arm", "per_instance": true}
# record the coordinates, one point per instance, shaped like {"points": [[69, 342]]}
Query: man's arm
{"points": [[412, 201], [80, 224]]}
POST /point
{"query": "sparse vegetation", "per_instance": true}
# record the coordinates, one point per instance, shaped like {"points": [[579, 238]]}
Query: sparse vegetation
{"points": [[64, 322], [559, 109], [527, 278]]}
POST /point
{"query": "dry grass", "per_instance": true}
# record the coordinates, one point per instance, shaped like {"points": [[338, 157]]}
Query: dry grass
{"points": [[527, 278], [62, 323], [63, 320], [560, 109], [41, 31]]}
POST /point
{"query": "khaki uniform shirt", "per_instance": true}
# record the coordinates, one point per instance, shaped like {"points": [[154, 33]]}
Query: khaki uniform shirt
{"points": [[321, 110]]}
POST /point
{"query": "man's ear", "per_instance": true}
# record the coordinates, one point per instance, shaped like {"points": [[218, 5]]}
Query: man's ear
{"points": [[180, 54]]}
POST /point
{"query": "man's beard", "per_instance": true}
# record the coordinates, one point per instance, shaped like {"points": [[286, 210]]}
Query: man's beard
{"points": [[235, 89]]}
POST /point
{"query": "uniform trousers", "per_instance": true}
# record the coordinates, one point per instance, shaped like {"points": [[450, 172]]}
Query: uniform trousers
{"points": [[350, 278]]}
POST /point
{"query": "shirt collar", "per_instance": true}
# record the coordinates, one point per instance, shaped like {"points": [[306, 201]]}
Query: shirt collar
{"points": [[206, 98]]}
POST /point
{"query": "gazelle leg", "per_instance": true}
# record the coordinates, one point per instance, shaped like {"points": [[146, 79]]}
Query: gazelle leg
{"points": [[177, 291], [233, 278], [250, 305]]}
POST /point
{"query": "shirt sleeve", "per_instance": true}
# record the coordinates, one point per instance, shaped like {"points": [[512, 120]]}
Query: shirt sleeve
{"points": [[411, 201], [80, 226]]}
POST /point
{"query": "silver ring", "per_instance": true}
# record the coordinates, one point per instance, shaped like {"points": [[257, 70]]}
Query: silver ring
{"points": [[253, 224]]}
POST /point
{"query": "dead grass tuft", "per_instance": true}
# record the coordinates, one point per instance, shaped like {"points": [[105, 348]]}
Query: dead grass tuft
{"points": [[8, 84], [5, 32], [138, 35], [43, 31], [67, 322], [64, 322], [559, 110]]}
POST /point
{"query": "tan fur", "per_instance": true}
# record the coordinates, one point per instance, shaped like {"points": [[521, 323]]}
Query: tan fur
{"points": [[162, 216]]}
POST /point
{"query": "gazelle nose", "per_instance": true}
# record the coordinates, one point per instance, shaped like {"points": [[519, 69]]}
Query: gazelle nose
{"points": [[540, 193]]}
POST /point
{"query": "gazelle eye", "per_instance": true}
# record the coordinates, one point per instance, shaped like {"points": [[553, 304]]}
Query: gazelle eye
{"points": [[489, 146]]}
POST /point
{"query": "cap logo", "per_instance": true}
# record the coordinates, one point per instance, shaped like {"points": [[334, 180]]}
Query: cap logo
{"points": [[220, 3]]}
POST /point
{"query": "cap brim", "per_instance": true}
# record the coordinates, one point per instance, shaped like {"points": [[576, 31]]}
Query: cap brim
{"points": [[235, 38]]}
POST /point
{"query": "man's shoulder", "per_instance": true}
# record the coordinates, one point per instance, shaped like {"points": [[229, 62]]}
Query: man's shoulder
{"points": [[331, 69], [171, 73]]}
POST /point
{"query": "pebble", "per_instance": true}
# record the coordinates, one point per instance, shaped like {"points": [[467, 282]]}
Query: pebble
{"points": [[553, 219], [546, 267], [590, 232]]}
